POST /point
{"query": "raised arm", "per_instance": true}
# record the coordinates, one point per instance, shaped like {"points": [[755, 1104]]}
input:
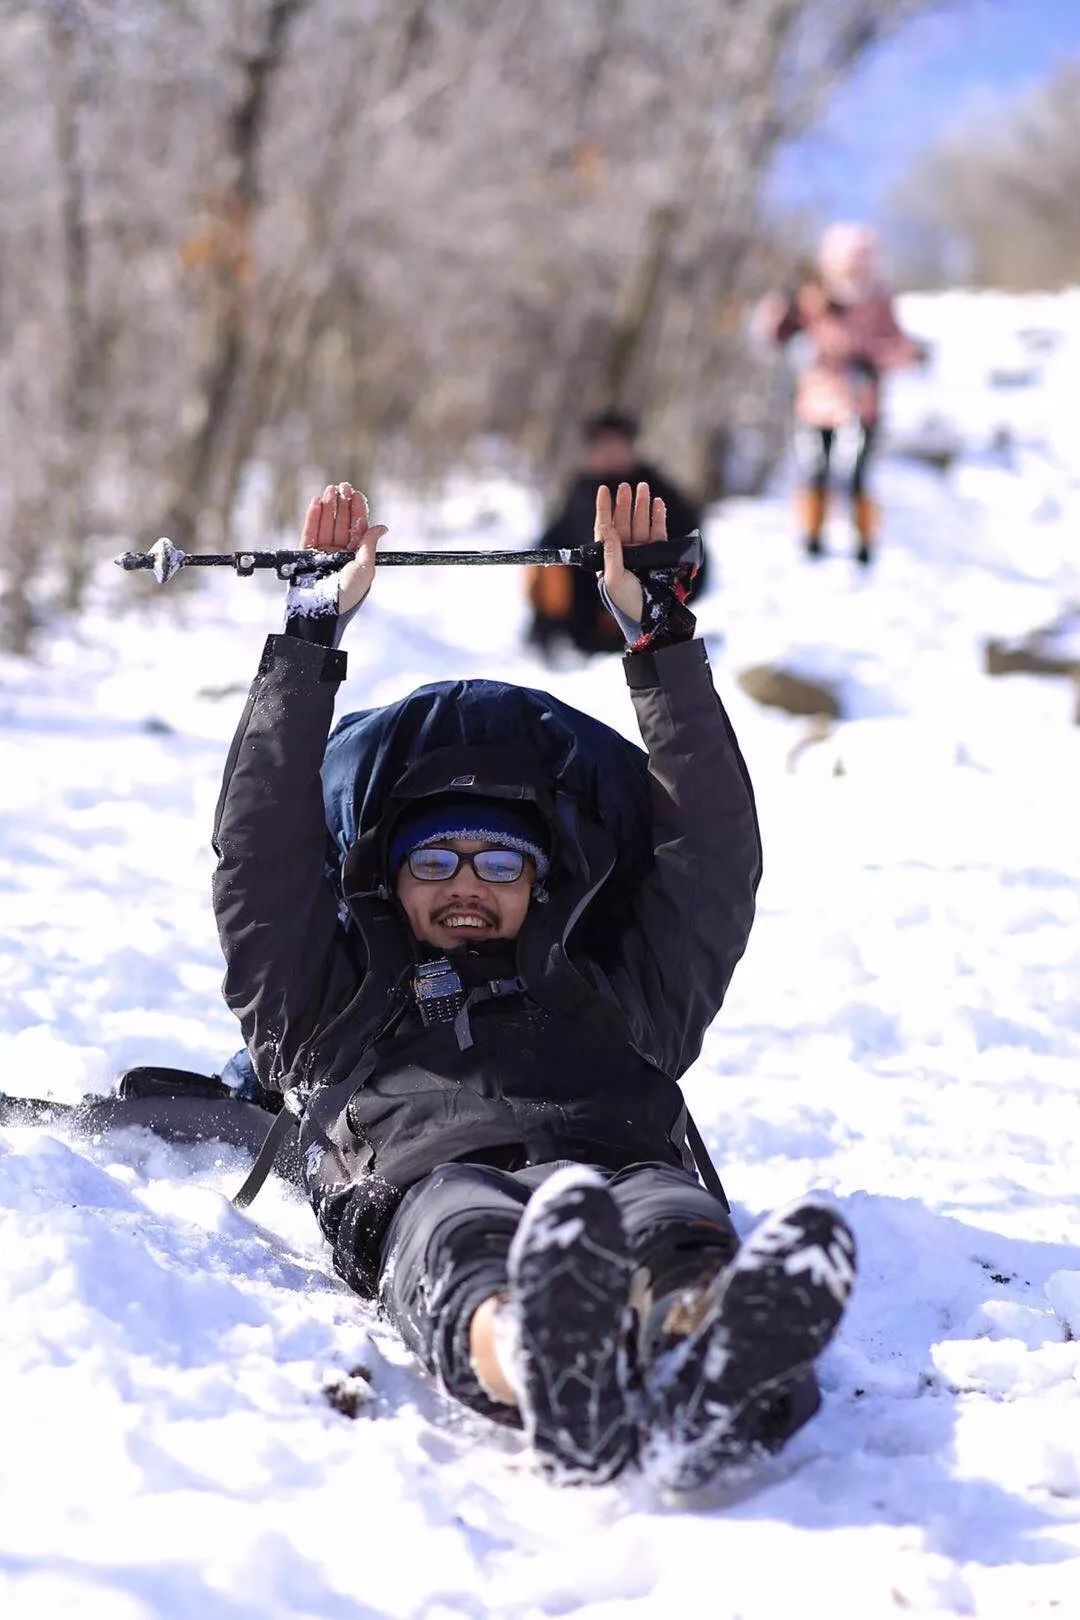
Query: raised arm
{"points": [[287, 962], [670, 969], [893, 347]]}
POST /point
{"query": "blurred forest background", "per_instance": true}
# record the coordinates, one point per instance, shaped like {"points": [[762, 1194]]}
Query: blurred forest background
{"points": [[249, 244], [997, 204]]}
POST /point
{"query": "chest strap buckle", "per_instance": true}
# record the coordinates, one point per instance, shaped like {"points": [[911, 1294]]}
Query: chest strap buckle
{"points": [[492, 991]]}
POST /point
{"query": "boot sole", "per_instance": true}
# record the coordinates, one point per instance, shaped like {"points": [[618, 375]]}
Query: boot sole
{"points": [[767, 1317], [570, 1272]]}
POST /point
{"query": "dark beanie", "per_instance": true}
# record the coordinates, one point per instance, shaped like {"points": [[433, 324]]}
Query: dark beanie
{"points": [[505, 822]]}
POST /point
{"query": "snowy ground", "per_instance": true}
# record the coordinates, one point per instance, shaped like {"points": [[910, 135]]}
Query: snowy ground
{"points": [[904, 1032]]}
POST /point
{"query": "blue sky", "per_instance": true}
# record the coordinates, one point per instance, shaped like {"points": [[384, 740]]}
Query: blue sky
{"points": [[938, 72]]}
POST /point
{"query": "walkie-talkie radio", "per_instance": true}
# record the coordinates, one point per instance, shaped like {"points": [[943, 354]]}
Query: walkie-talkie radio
{"points": [[440, 994]]}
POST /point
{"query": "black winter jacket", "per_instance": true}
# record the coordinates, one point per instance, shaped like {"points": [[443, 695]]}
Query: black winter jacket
{"points": [[582, 1062]]}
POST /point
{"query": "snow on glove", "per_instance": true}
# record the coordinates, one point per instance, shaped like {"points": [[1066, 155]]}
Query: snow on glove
{"points": [[336, 521], [665, 618], [311, 610]]}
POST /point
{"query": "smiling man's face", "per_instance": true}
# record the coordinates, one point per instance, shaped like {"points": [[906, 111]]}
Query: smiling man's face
{"points": [[461, 909]]}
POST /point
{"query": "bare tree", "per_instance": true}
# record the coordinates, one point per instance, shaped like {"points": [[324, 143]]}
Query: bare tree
{"points": [[254, 241], [998, 203]]}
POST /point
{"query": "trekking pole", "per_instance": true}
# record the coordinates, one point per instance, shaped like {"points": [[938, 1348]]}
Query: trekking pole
{"points": [[165, 559]]}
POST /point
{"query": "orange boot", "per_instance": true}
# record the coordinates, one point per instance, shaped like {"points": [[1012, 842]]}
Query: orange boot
{"points": [[812, 506], [866, 516]]}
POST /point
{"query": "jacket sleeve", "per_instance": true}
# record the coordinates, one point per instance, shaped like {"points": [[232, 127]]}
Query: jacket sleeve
{"points": [[776, 318], [891, 346], [687, 514], [559, 532], [693, 913], [286, 959]]}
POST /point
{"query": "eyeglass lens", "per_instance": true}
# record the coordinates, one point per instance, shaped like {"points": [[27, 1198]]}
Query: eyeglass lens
{"points": [[435, 864]]}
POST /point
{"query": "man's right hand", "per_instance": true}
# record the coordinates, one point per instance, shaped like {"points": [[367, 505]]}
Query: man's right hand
{"points": [[337, 520]]}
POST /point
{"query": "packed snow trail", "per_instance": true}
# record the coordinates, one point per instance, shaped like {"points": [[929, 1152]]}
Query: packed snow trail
{"points": [[904, 1034]]}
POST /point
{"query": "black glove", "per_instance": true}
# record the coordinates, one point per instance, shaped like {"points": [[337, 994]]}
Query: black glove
{"points": [[311, 610], [665, 618]]}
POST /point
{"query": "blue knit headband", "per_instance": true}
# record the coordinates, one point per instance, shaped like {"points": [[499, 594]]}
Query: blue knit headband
{"points": [[491, 819]]}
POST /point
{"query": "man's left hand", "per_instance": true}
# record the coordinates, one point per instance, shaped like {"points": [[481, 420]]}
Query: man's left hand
{"points": [[634, 520]]}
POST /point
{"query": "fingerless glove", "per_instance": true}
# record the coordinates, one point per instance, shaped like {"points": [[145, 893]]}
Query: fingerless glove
{"points": [[311, 610], [665, 618]]}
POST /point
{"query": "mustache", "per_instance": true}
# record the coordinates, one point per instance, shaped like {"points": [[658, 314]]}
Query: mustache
{"points": [[473, 908]]}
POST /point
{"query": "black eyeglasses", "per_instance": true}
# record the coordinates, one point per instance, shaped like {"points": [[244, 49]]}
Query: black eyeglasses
{"points": [[434, 864]]}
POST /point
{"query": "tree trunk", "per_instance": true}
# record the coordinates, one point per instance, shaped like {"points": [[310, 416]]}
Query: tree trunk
{"points": [[18, 620], [639, 303], [233, 274], [69, 506]]}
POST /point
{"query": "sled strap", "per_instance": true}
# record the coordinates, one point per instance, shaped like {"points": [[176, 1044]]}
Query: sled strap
{"points": [[32, 1110], [264, 1161], [705, 1167]]}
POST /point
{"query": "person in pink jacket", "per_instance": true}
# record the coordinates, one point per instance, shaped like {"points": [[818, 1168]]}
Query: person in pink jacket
{"points": [[844, 313]]}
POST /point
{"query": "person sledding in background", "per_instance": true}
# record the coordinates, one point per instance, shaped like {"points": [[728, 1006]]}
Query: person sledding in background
{"points": [[565, 602], [845, 314], [482, 1041]]}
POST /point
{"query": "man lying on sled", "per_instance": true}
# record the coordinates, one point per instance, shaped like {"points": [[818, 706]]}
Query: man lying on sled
{"points": [[481, 1019]]}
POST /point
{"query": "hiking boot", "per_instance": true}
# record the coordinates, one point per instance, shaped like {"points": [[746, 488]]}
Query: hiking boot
{"points": [[763, 1320], [867, 521], [568, 1317], [811, 509]]}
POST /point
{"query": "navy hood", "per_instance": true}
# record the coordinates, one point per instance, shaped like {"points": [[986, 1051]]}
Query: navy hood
{"points": [[497, 739]]}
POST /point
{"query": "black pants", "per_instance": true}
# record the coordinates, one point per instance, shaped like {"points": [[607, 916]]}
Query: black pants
{"points": [[446, 1249], [814, 448]]}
